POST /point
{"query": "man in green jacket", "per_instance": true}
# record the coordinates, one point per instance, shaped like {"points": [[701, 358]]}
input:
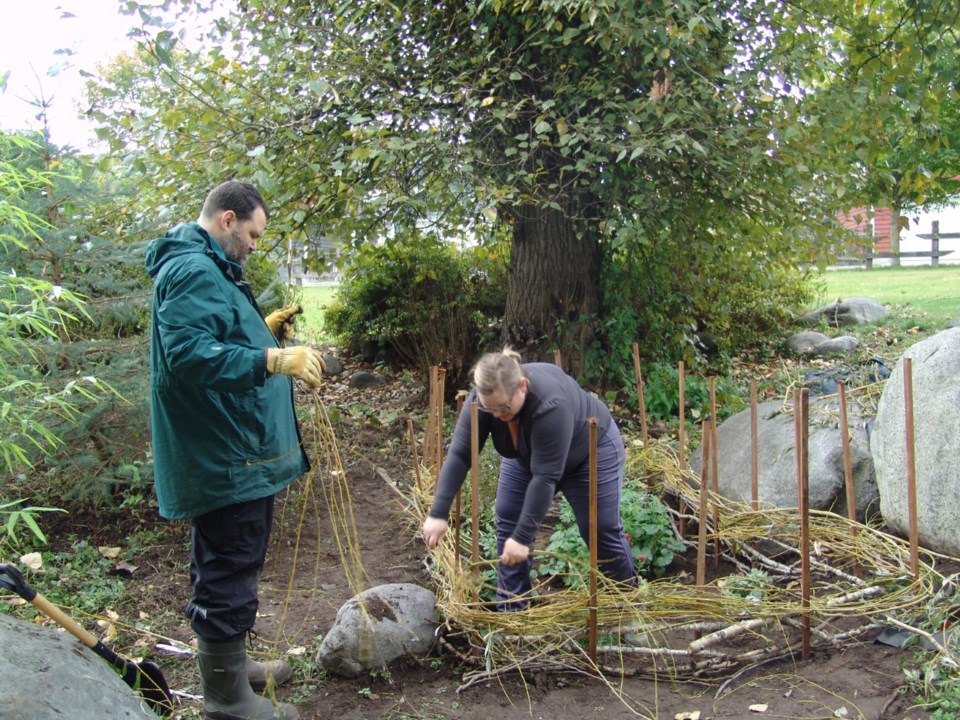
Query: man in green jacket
{"points": [[225, 435]]}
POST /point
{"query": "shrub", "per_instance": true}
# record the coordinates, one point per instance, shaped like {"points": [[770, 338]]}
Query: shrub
{"points": [[418, 301]]}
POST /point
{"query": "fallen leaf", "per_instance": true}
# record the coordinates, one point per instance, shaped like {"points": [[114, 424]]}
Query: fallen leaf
{"points": [[695, 715], [33, 560], [109, 552], [124, 569], [758, 708]]}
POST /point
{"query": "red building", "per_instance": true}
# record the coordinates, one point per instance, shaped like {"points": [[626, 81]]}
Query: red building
{"points": [[870, 223]]}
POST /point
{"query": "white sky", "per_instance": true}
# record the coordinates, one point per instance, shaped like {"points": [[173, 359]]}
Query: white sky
{"points": [[32, 31]]}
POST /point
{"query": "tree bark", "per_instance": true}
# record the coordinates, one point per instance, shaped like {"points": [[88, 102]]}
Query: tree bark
{"points": [[553, 291]]}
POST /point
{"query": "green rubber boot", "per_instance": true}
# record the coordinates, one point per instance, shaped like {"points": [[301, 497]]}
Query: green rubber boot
{"points": [[227, 694], [261, 674]]}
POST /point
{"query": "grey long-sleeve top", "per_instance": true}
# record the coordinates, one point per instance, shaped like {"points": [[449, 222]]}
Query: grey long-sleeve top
{"points": [[553, 441]]}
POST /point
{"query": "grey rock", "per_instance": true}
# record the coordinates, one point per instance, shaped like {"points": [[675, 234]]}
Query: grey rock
{"points": [[853, 311], [364, 379], [378, 626], [334, 366], [46, 673], [804, 343], [843, 345], [777, 470], [935, 380]]}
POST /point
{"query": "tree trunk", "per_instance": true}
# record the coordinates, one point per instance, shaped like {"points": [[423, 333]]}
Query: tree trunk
{"points": [[895, 234], [553, 292]]}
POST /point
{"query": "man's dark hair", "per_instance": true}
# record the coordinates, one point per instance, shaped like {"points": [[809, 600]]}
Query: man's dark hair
{"points": [[241, 197]]}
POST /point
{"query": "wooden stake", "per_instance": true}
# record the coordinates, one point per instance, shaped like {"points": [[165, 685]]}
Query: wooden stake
{"points": [[754, 449], [705, 454], [681, 451], [911, 468], [475, 493], [804, 484], [592, 631], [715, 469], [441, 385], [847, 460], [557, 359], [641, 400], [416, 457], [702, 524]]}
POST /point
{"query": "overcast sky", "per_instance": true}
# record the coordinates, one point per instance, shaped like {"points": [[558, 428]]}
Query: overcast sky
{"points": [[32, 31]]}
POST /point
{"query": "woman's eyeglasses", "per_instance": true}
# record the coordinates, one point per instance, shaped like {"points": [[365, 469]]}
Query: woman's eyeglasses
{"points": [[497, 409]]}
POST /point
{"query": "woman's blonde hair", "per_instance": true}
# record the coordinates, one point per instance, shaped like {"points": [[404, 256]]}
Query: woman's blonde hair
{"points": [[498, 371]]}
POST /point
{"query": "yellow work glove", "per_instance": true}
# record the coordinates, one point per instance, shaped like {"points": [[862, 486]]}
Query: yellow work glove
{"points": [[300, 362], [281, 322]]}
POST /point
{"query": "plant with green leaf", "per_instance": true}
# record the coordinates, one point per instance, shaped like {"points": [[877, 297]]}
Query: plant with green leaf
{"points": [[20, 527], [647, 528], [419, 301]]}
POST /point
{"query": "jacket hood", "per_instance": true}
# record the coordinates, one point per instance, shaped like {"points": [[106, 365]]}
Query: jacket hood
{"points": [[185, 239]]}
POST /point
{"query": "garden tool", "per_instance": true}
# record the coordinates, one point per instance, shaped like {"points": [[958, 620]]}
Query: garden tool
{"points": [[146, 677]]}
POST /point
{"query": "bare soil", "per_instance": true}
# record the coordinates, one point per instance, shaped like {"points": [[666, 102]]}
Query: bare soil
{"points": [[859, 680]]}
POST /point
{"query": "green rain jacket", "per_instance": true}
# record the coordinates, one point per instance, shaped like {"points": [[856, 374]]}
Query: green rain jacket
{"points": [[223, 431]]}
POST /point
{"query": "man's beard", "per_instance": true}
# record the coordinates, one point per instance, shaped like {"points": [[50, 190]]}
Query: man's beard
{"points": [[234, 247]]}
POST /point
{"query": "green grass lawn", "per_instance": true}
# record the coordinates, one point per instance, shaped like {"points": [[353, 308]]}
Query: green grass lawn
{"points": [[931, 294], [314, 300], [928, 293]]}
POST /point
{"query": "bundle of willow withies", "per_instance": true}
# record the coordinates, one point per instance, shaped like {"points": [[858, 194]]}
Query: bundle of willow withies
{"points": [[670, 627]]}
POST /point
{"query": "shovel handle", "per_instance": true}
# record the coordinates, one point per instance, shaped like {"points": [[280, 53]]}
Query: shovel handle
{"points": [[12, 578], [64, 620]]}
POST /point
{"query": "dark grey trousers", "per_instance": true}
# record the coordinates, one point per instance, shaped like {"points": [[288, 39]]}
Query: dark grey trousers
{"points": [[615, 559], [227, 550]]}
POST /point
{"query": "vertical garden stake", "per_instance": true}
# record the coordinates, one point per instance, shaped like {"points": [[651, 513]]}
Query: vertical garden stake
{"points": [[705, 452], [715, 469], [641, 400], [593, 540], [681, 451], [803, 419], [475, 494], [754, 449]]}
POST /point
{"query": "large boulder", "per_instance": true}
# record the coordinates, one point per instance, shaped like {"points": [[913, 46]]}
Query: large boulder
{"points": [[936, 411], [777, 459], [46, 673], [378, 626], [852, 311]]}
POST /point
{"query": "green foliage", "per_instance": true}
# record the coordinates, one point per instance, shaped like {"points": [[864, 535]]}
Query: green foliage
{"points": [[20, 528], [662, 394], [934, 677], [34, 312], [75, 241], [754, 585], [685, 140], [80, 578], [646, 526], [662, 294], [900, 133], [419, 301]]}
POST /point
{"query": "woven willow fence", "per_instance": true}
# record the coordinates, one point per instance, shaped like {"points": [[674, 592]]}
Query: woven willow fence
{"points": [[667, 629], [673, 629]]}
